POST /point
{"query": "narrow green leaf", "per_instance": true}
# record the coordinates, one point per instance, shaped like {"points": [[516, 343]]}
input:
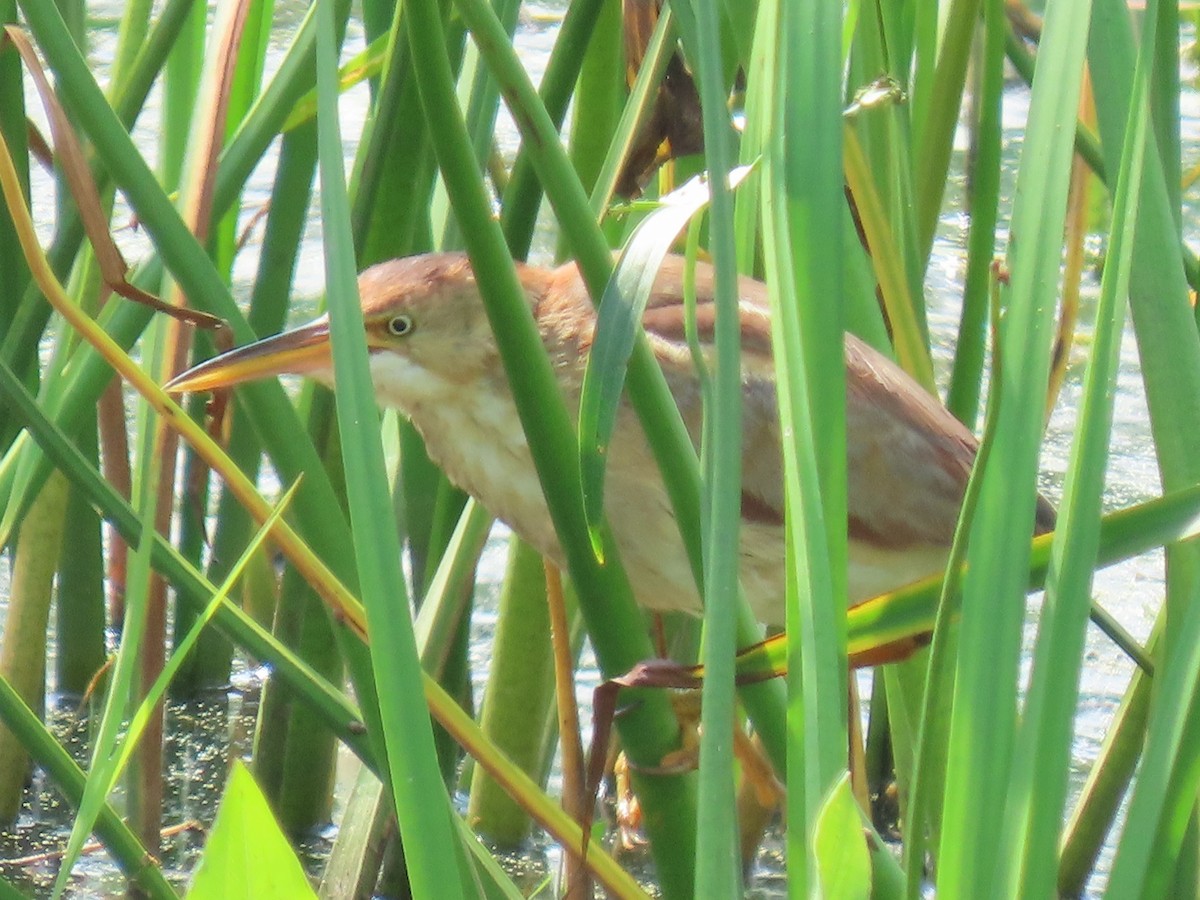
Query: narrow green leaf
{"points": [[1092, 819], [910, 611], [137, 722], [188, 262], [638, 108], [1034, 808], [497, 884], [334, 706], [367, 63], [1123, 534], [802, 192], [125, 671], [936, 102], [718, 868], [44, 748], [1179, 678], [615, 626], [962, 397], [649, 395], [1164, 322], [983, 722]]}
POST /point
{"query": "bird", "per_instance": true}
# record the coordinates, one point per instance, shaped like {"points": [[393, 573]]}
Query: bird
{"points": [[433, 357]]}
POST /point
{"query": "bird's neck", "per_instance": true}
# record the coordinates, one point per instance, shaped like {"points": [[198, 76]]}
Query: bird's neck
{"points": [[472, 432]]}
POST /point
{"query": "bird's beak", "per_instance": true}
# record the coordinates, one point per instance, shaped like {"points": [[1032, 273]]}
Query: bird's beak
{"points": [[303, 351]]}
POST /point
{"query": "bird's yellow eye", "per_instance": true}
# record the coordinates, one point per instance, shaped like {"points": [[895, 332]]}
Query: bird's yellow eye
{"points": [[398, 326]]}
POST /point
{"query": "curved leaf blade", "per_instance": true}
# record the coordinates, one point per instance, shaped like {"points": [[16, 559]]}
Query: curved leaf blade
{"points": [[618, 319]]}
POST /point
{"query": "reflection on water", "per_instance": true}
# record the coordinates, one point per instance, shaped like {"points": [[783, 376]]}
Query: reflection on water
{"points": [[203, 737]]}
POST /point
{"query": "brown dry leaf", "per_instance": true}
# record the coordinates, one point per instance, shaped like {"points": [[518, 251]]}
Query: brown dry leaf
{"points": [[87, 199]]}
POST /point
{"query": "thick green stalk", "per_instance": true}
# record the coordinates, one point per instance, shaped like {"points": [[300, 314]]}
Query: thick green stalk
{"points": [[394, 171], [1033, 814], [935, 122], [79, 612], [1164, 99], [524, 192], [420, 491], [1088, 147], [606, 600], [1092, 819], [717, 842], [144, 781], [660, 418], [21, 340], [183, 170], [665, 432], [295, 750], [804, 267], [273, 416], [1168, 345], [886, 134], [392, 187], [335, 708], [599, 95], [1169, 352], [482, 107], [14, 273], [181, 87], [337, 711], [292, 80], [423, 812], [23, 653], [290, 196], [520, 687]]}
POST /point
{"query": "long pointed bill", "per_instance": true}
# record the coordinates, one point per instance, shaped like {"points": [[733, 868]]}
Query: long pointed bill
{"points": [[302, 351]]}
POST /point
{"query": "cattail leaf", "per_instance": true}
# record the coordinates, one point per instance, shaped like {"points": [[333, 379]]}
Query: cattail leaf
{"points": [[619, 317]]}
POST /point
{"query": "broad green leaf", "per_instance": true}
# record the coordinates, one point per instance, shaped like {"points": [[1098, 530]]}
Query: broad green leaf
{"points": [[247, 856], [840, 846]]}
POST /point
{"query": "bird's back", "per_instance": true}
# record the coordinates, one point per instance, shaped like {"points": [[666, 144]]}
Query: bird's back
{"points": [[908, 457]]}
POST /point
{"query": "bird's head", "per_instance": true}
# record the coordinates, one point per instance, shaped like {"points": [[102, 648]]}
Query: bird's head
{"points": [[427, 332]]}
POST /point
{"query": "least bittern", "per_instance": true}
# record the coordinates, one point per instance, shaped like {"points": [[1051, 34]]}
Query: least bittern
{"points": [[433, 356]]}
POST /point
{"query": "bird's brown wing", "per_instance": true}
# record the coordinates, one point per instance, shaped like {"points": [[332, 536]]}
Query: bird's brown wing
{"points": [[909, 457]]}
